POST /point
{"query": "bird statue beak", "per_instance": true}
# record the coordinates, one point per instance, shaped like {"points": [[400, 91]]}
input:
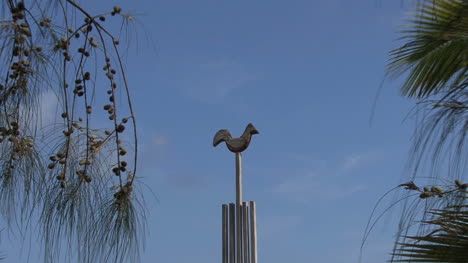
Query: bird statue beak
{"points": [[252, 128]]}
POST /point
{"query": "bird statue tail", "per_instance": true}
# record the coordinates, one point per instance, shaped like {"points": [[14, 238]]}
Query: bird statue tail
{"points": [[221, 136]]}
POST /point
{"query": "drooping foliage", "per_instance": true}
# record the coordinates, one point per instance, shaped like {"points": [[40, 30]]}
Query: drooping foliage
{"points": [[434, 62], [68, 144]]}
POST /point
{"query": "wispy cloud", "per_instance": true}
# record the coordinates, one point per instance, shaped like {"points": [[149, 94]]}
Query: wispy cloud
{"points": [[275, 226], [43, 111], [303, 188], [184, 181], [329, 181], [304, 183], [159, 139], [212, 81], [352, 160]]}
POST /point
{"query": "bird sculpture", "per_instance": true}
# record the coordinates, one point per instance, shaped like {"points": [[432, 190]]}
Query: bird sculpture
{"points": [[235, 145]]}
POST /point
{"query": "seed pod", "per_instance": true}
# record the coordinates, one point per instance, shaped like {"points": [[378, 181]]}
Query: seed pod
{"points": [[123, 163], [425, 195], [436, 189], [94, 43], [60, 176], [64, 115], [102, 18], [124, 120], [123, 152], [63, 184], [62, 161], [116, 171], [60, 155], [117, 9], [87, 76], [120, 128], [51, 166], [107, 132], [20, 6], [107, 106], [87, 178], [89, 109]]}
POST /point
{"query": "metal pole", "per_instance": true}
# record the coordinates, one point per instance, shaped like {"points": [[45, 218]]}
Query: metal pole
{"points": [[240, 228], [232, 233], [238, 205], [245, 227], [253, 232], [225, 232]]}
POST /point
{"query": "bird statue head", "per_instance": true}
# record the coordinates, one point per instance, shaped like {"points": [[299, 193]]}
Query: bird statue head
{"points": [[251, 129]]}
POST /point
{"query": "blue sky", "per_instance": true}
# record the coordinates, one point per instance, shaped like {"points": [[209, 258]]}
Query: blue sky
{"points": [[306, 74]]}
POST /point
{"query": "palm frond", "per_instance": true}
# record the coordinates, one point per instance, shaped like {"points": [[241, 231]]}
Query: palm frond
{"points": [[446, 240], [435, 54]]}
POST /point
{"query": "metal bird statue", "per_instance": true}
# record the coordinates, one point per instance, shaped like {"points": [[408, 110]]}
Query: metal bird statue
{"points": [[235, 145]]}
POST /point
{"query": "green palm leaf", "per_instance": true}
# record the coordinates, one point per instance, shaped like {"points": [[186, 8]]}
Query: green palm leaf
{"points": [[435, 55], [447, 240]]}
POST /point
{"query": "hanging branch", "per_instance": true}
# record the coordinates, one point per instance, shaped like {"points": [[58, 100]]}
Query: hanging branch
{"points": [[74, 172]]}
